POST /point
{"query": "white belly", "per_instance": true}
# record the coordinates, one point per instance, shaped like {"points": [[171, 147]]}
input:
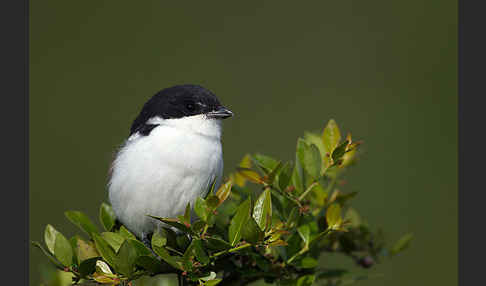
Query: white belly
{"points": [[160, 173]]}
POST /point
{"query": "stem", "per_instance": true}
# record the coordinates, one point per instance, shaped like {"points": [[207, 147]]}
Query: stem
{"points": [[302, 251], [302, 196], [245, 245]]}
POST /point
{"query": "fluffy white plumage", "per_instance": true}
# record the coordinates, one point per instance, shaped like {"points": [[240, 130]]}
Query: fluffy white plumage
{"points": [[160, 173]]}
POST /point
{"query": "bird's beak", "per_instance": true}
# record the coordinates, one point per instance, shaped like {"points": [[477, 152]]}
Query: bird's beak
{"points": [[221, 113]]}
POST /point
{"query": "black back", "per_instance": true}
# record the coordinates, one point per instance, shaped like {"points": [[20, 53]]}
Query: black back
{"points": [[175, 102]]}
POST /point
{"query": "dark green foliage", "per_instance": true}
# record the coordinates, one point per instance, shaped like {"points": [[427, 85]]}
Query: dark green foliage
{"points": [[270, 220]]}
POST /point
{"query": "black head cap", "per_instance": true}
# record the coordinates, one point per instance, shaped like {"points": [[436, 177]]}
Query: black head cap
{"points": [[180, 101]]}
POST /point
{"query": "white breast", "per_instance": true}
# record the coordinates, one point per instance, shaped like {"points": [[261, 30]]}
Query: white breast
{"points": [[160, 173]]}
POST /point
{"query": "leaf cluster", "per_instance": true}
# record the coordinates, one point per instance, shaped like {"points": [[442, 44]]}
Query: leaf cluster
{"points": [[270, 220]]}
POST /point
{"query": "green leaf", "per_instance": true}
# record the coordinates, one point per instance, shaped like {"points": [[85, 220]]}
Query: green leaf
{"points": [[105, 249], [201, 255], [174, 223], [251, 231], [88, 266], [212, 202], [158, 239], [310, 158], [270, 178], [198, 226], [265, 163], [50, 235], [298, 174], [308, 262], [293, 217], [49, 255], [107, 216], [306, 280], [245, 163], [215, 243], [187, 214], [164, 254], [333, 217], [126, 258], [239, 220], [126, 233], [285, 176], [339, 152], [63, 250], [316, 139], [82, 221], [201, 209], [331, 136], [85, 249], [402, 244], [250, 175], [224, 191], [151, 264], [262, 211], [114, 240], [304, 232]]}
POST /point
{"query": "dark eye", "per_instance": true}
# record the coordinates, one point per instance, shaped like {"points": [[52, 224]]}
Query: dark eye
{"points": [[190, 107]]}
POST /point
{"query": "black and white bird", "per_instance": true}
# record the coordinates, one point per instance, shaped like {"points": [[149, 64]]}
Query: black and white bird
{"points": [[172, 155]]}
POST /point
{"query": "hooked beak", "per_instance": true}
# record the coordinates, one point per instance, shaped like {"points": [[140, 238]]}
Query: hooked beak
{"points": [[221, 113]]}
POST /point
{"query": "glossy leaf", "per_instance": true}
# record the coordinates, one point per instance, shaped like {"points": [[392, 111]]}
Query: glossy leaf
{"points": [[82, 221], [105, 250], [262, 211], [200, 253], [239, 220], [310, 158], [270, 178], [201, 209], [285, 176], [123, 231], [339, 152], [333, 216], [174, 223], [331, 136], [304, 232], [63, 250], [245, 163], [50, 234], [250, 175], [212, 202], [224, 191], [88, 266], [151, 264], [126, 258], [251, 231], [114, 240], [215, 243], [107, 216], [265, 163]]}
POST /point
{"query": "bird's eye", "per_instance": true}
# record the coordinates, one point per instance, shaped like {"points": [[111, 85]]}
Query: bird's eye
{"points": [[190, 107]]}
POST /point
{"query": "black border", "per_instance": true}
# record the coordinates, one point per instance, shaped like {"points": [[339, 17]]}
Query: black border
{"points": [[472, 198], [15, 145]]}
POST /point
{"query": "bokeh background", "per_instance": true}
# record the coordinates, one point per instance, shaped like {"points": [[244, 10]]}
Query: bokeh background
{"points": [[385, 70]]}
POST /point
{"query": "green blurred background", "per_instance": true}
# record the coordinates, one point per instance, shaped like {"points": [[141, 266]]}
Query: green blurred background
{"points": [[385, 70]]}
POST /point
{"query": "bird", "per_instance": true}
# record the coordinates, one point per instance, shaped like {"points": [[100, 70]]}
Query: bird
{"points": [[173, 154]]}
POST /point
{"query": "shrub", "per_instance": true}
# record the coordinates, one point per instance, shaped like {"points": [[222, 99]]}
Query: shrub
{"points": [[270, 220]]}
